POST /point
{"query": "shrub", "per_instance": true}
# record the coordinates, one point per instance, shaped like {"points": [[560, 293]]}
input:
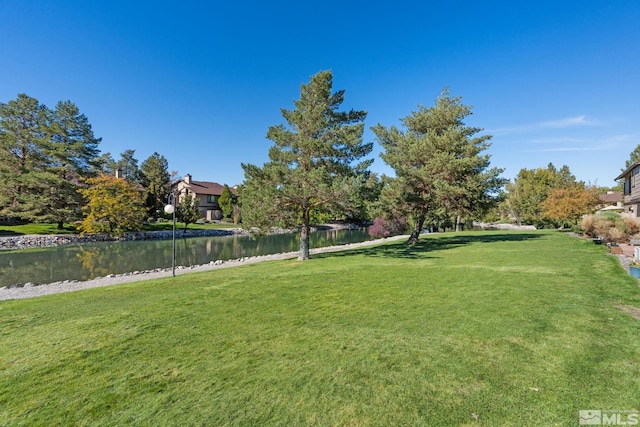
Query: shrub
{"points": [[383, 228], [610, 227], [588, 225], [632, 226]]}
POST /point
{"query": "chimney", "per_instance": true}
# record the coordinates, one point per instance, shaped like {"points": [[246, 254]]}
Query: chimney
{"points": [[187, 179], [119, 173]]}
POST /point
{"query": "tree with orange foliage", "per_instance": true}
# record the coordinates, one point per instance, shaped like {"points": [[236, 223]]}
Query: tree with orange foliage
{"points": [[569, 204], [114, 206]]}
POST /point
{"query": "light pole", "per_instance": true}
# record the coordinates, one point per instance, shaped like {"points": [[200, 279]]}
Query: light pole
{"points": [[170, 208]]}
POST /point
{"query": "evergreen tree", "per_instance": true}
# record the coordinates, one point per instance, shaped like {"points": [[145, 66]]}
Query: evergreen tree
{"points": [[23, 154], [311, 164], [439, 165], [73, 157], [128, 166], [105, 164], [634, 157], [156, 181], [44, 155], [227, 201]]}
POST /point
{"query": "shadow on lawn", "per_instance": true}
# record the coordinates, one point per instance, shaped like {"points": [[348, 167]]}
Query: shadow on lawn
{"points": [[426, 244]]}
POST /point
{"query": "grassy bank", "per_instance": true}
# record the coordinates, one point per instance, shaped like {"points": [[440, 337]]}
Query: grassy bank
{"points": [[24, 229], [493, 328]]}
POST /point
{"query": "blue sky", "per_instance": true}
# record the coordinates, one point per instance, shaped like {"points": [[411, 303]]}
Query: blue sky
{"points": [[201, 82]]}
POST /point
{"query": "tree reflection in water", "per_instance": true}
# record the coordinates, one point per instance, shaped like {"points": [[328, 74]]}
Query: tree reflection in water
{"points": [[88, 261]]}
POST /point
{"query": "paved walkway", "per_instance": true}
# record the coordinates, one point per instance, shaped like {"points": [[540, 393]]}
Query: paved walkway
{"points": [[627, 249]]}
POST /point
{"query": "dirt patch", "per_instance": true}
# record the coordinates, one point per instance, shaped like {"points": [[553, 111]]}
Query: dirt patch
{"points": [[631, 310]]}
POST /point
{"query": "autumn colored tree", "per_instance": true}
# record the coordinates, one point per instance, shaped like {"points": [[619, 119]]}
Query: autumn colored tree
{"points": [[531, 187], [114, 206], [569, 205]]}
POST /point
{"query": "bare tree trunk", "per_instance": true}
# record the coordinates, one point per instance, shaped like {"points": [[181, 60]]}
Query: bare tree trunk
{"points": [[415, 234], [304, 237], [458, 223]]}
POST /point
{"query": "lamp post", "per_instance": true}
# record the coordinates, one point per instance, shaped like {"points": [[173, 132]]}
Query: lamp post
{"points": [[170, 208]]}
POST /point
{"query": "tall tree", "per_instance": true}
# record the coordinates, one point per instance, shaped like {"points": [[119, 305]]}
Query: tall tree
{"points": [[157, 182], [73, 151], [23, 137], [105, 164], [128, 165], [568, 205], [529, 190], [314, 165], [114, 206], [634, 157], [45, 155], [438, 161], [227, 201]]}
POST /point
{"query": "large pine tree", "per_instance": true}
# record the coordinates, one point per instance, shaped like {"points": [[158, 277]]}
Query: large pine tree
{"points": [[440, 167], [314, 165], [44, 155]]}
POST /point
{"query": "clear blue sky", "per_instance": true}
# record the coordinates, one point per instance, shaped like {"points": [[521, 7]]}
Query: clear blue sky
{"points": [[200, 82]]}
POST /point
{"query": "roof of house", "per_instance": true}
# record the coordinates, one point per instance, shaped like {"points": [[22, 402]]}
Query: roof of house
{"points": [[611, 197], [627, 170], [204, 187]]}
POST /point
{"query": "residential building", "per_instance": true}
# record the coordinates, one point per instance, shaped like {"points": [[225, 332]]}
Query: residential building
{"points": [[631, 193], [207, 194]]}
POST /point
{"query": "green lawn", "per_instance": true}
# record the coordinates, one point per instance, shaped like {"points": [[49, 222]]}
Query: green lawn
{"points": [[493, 328], [32, 228], [23, 229]]}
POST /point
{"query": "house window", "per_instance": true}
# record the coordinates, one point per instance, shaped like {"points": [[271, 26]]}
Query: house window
{"points": [[212, 199]]}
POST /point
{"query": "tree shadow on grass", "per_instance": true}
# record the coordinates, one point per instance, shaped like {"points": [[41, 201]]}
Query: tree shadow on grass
{"points": [[431, 243]]}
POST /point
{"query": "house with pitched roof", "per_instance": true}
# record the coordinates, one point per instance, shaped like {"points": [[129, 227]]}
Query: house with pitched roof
{"points": [[207, 193], [610, 200], [631, 193]]}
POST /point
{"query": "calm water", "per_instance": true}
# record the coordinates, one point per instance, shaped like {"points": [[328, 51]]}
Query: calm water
{"points": [[91, 260]]}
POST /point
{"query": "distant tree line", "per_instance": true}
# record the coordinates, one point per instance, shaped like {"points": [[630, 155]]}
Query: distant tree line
{"points": [[51, 170]]}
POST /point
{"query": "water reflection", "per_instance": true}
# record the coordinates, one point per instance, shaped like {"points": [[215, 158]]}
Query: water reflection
{"points": [[91, 260]]}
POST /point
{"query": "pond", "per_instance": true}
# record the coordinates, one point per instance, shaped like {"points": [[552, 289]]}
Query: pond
{"points": [[90, 260]]}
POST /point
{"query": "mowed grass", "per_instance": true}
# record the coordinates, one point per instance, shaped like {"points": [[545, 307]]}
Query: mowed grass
{"points": [[493, 328]]}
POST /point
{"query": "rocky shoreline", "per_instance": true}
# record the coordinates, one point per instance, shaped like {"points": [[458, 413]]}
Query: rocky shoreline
{"points": [[31, 241]]}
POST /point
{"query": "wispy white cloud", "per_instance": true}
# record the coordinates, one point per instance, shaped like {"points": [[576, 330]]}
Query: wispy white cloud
{"points": [[606, 143], [563, 149], [569, 122], [559, 140]]}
